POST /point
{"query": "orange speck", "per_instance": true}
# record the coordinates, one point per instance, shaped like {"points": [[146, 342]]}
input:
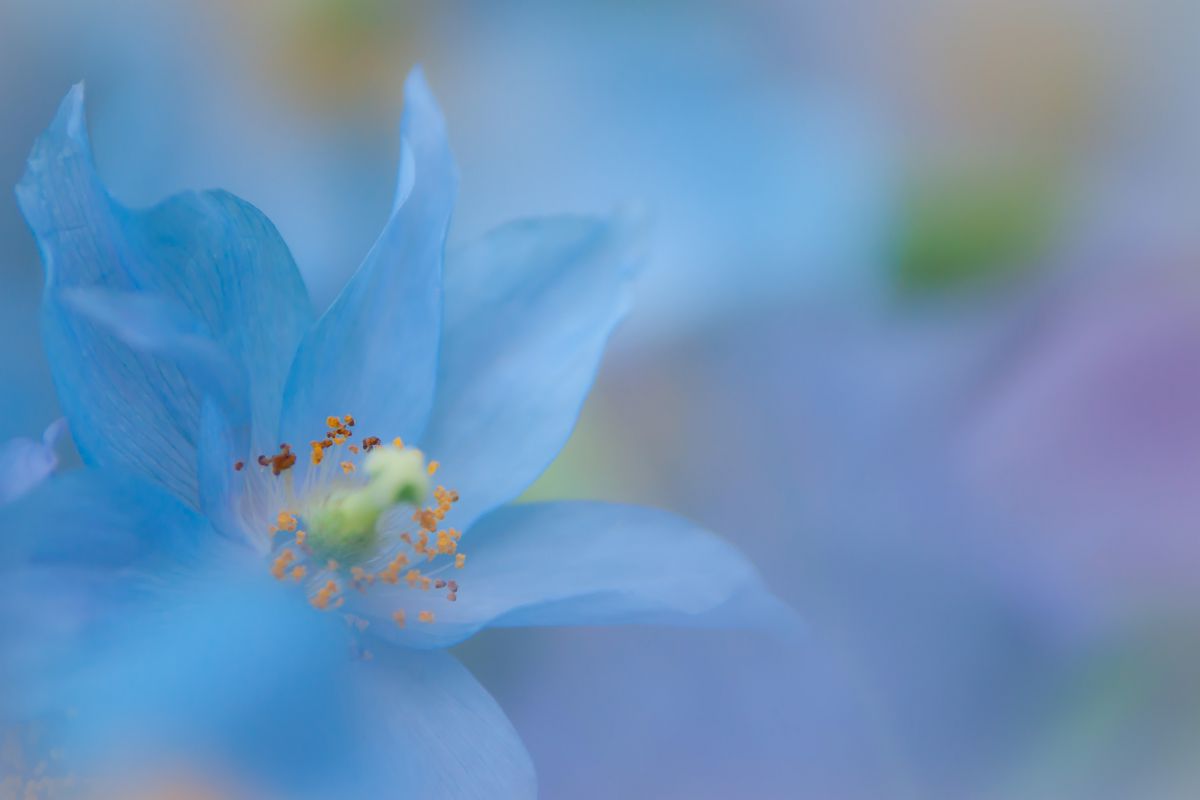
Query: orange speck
{"points": [[460, 560], [398, 618], [425, 616]]}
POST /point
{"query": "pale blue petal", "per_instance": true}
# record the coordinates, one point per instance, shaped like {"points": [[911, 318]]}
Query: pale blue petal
{"points": [[25, 463], [431, 731], [76, 551], [249, 683], [582, 563], [529, 309], [374, 352], [156, 325], [234, 678], [213, 254]]}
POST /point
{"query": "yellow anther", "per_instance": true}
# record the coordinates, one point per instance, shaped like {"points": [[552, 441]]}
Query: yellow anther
{"points": [[300, 537], [326, 593], [412, 576], [433, 466], [460, 560], [286, 521], [425, 583], [398, 618], [318, 455], [349, 420], [331, 565], [281, 563], [425, 616], [353, 449], [333, 422], [298, 572], [347, 467], [398, 442]]}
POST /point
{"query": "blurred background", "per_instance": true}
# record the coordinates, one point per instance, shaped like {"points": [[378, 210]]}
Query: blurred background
{"points": [[919, 331]]}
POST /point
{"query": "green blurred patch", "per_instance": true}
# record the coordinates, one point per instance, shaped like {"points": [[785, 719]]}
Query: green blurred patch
{"points": [[958, 230]]}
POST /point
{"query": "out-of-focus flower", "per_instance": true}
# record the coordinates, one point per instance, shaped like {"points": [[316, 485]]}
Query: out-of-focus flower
{"points": [[232, 440], [1087, 444], [24, 463]]}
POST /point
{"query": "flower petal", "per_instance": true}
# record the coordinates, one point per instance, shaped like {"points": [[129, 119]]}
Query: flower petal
{"points": [[25, 463], [374, 352], [155, 325], [213, 254], [234, 678], [460, 744], [75, 550], [583, 563], [529, 309]]}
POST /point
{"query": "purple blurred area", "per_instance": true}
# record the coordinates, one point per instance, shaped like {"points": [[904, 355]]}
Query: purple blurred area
{"points": [[919, 332]]}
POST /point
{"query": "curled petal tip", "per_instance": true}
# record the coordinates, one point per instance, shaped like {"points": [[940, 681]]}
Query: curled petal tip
{"points": [[70, 117]]}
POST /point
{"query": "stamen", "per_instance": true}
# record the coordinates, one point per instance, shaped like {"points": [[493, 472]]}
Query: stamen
{"points": [[342, 522], [279, 567], [326, 593]]}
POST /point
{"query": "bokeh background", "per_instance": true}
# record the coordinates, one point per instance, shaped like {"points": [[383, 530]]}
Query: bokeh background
{"points": [[919, 331]]}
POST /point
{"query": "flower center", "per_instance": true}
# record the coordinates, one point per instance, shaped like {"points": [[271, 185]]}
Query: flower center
{"points": [[343, 529]]}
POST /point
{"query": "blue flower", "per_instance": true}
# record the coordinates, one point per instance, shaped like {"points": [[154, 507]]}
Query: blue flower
{"points": [[267, 491]]}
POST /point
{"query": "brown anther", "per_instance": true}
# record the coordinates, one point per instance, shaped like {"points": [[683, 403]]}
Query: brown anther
{"points": [[453, 585], [354, 449], [439, 584], [238, 466], [263, 461], [452, 597], [349, 420]]}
